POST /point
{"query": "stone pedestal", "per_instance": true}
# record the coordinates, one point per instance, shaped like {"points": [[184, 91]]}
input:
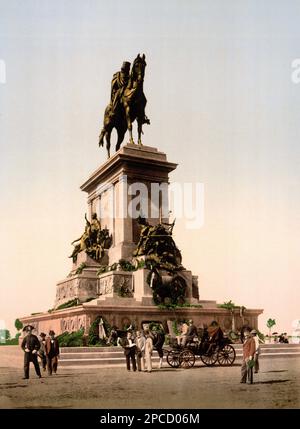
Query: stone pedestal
{"points": [[130, 169], [84, 259], [115, 284], [142, 291], [82, 282], [111, 190], [79, 286]]}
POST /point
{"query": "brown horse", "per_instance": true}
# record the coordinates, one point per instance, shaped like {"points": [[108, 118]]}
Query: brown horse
{"points": [[131, 108]]}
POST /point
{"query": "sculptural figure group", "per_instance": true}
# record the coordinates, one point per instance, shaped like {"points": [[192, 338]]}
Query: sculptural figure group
{"points": [[94, 240], [157, 244]]}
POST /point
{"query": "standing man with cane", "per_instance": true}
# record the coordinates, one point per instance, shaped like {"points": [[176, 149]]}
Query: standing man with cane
{"points": [[248, 358]]}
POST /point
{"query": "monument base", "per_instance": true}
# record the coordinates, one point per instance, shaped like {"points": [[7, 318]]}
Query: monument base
{"points": [[122, 312], [125, 297]]}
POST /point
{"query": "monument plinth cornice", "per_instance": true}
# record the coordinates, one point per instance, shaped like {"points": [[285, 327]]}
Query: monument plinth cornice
{"points": [[134, 161]]}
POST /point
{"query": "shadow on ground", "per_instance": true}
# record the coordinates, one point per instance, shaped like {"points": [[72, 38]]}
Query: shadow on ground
{"points": [[13, 387], [278, 370], [271, 381]]}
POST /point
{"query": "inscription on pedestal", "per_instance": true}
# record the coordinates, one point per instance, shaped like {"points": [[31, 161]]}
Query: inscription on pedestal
{"points": [[71, 324], [78, 287], [105, 285], [115, 283]]}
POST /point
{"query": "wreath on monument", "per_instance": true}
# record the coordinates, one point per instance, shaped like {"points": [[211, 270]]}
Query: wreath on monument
{"points": [[168, 288], [93, 337]]}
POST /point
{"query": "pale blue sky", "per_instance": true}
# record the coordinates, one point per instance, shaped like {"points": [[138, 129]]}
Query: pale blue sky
{"points": [[221, 103]]}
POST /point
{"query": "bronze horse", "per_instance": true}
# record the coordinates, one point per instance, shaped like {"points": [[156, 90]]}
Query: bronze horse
{"points": [[130, 108]]}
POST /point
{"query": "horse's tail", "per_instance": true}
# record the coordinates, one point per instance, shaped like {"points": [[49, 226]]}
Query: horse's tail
{"points": [[105, 126], [146, 120], [101, 139], [160, 341]]}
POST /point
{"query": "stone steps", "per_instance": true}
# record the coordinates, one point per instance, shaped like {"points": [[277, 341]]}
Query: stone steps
{"points": [[78, 357]]}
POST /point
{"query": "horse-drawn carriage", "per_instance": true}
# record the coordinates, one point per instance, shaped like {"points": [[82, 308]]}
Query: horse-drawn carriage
{"points": [[212, 347], [210, 350]]}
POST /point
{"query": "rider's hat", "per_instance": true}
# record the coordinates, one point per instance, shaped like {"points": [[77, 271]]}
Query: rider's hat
{"points": [[125, 65]]}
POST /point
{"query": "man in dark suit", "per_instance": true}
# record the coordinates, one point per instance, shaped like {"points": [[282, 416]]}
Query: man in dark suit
{"points": [[191, 333], [30, 345], [129, 347], [52, 352], [158, 338]]}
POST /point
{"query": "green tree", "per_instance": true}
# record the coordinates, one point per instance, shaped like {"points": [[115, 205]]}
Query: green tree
{"points": [[18, 324], [4, 335], [270, 324]]}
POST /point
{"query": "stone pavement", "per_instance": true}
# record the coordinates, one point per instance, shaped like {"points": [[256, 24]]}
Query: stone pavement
{"points": [[276, 386]]}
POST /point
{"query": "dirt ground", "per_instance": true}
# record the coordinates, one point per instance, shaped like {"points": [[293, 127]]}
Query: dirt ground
{"points": [[276, 386]]}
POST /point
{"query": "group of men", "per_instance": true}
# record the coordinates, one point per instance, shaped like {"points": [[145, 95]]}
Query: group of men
{"points": [[47, 348], [138, 348]]}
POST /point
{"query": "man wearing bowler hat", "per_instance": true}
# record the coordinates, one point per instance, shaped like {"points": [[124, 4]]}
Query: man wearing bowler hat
{"points": [[30, 346], [52, 352]]}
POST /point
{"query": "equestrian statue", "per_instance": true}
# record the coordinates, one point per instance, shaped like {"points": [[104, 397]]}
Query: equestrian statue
{"points": [[127, 104]]}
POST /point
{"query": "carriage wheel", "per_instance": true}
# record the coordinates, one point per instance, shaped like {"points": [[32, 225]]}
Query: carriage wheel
{"points": [[187, 359], [209, 359], [226, 356], [173, 358]]}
